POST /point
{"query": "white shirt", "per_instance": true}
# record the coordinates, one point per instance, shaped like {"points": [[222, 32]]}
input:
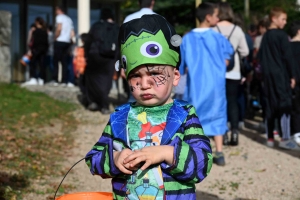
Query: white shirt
{"points": [[139, 14], [66, 28], [257, 41]]}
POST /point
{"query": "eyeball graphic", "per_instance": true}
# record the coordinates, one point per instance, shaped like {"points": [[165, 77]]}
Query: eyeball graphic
{"points": [[124, 62], [151, 49]]}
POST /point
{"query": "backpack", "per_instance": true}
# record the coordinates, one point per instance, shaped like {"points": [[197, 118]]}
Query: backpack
{"points": [[104, 39], [231, 63]]}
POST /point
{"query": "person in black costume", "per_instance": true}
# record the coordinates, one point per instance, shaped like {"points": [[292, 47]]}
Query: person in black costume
{"points": [[100, 68], [275, 56], [295, 117]]}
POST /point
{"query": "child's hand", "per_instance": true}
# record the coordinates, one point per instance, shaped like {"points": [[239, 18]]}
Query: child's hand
{"points": [[119, 157], [150, 155]]}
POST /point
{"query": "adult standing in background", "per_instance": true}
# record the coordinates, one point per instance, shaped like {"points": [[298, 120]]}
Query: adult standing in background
{"points": [[233, 77], [101, 55], [39, 47], [63, 34], [146, 9]]}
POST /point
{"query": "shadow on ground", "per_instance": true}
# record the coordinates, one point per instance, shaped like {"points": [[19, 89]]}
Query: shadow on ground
{"points": [[255, 132], [208, 196]]}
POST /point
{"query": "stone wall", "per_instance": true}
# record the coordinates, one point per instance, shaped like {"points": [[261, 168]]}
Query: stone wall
{"points": [[5, 38]]}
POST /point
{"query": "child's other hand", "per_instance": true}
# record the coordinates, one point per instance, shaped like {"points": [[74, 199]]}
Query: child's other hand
{"points": [[119, 157], [150, 155]]}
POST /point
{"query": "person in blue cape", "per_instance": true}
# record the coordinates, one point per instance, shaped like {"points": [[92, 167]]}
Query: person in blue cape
{"points": [[204, 55]]}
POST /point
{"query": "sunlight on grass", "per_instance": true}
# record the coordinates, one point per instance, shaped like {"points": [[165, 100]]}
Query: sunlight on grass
{"points": [[19, 106], [25, 146]]}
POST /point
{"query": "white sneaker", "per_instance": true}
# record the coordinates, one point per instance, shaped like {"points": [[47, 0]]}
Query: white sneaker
{"points": [[63, 85], [52, 83], [289, 145], [296, 137], [70, 84], [32, 81], [40, 81]]}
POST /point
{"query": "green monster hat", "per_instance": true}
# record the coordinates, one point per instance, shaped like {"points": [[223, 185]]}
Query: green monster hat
{"points": [[150, 39]]}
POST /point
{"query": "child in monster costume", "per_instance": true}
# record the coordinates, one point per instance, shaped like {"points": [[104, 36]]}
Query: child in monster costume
{"points": [[153, 148]]}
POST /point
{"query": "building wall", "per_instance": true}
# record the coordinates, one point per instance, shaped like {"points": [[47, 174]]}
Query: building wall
{"points": [[5, 40]]}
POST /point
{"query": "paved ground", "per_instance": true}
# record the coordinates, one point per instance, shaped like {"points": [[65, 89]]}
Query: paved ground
{"points": [[252, 171]]}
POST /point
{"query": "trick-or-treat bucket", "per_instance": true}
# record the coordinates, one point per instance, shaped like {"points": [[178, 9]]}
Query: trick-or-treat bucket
{"points": [[83, 195], [87, 196]]}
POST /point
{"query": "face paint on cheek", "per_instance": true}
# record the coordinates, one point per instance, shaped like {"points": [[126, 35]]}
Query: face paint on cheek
{"points": [[133, 88], [163, 78]]}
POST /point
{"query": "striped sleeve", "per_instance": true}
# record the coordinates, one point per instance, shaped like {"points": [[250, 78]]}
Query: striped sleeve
{"points": [[100, 157], [192, 152]]}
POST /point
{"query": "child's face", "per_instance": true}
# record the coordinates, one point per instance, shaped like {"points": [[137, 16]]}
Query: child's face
{"points": [[151, 85], [280, 20], [213, 19]]}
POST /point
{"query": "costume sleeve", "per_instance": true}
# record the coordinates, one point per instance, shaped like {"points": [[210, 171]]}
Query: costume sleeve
{"points": [[286, 52], [192, 152], [100, 158]]}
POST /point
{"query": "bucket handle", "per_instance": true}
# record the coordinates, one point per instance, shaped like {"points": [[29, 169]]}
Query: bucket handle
{"points": [[68, 173]]}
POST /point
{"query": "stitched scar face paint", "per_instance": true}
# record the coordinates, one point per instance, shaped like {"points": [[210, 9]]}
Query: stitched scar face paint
{"points": [[147, 49]]}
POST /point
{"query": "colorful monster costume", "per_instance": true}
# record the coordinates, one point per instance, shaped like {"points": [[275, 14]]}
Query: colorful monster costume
{"points": [[182, 129], [152, 40]]}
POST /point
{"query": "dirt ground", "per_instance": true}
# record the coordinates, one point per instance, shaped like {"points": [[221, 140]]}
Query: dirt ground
{"points": [[252, 170]]}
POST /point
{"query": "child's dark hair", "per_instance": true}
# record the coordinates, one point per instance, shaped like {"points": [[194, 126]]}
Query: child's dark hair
{"points": [[41, 22], [204, 9], [294, 28], [84, 37], [263, 23]]}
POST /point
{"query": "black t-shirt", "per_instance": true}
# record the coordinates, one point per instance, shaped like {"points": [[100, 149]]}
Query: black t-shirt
{"points": [[40, 40], [296, 56]]}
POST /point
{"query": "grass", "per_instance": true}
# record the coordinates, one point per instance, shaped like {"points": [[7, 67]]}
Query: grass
{"points": [[27, 151]]}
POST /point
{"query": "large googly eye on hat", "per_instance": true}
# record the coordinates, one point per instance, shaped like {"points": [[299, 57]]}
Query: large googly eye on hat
{"points": [[151, 49], [124, 62]]}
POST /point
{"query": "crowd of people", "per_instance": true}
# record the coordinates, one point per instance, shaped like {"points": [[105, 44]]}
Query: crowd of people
{"points": [[47, 49], [264, 75]]}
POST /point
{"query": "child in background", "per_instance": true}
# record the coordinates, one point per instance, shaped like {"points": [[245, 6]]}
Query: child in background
{"points": [[79, 59], [295, 117], [153, 148], [204, 53], [79, 65], [276, 59]]}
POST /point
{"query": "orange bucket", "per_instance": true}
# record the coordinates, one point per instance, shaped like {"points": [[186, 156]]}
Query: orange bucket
{"points": [[87, 196]]}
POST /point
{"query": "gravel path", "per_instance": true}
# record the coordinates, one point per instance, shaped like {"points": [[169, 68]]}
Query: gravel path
{"points": [[252, 171]]}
